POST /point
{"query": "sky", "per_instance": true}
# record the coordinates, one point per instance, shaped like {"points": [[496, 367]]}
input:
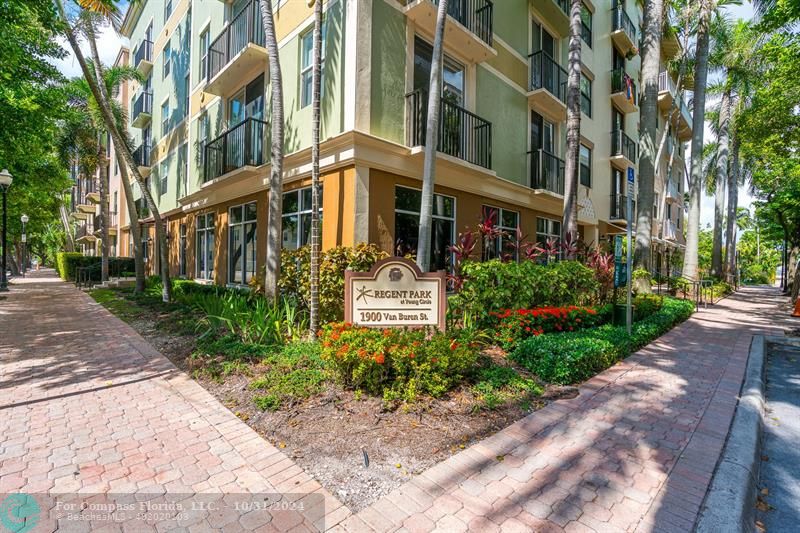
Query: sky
{"points": [[109, 43]]}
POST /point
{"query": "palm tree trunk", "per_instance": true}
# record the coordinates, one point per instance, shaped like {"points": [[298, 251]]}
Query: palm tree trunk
{"points": [[690, 258], [133, 225], [431, 142], [316, 71], [103, 166], [721, 181], [648, 128], [274, 214], [101, 97], [569, 226], [733, 201], [69, 241]]}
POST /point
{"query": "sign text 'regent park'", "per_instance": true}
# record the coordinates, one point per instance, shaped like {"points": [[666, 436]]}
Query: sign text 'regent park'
{"points": [[395, 293]]}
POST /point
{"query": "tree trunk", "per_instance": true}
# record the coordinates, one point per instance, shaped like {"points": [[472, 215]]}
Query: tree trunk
{"points": [[721, 181], [103, 186], [648, 129], [100, 95], [69, 234], [431, 142], [569, 226], [690, 258], [274, 215], [733, 204], [316, 71], [133, 226]]}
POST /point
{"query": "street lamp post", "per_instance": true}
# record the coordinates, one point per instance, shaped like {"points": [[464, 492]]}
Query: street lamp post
{"points": [[24, 220], [5, 183]]}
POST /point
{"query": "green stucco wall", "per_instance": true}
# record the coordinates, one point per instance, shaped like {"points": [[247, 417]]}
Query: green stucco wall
{"points": [[388, 72]]}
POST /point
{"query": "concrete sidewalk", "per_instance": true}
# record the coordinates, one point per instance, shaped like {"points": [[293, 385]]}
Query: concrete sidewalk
{"points": [[89, 407]]}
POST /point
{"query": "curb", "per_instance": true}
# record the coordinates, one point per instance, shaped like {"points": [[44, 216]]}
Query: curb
{"points": [[729, 504]]}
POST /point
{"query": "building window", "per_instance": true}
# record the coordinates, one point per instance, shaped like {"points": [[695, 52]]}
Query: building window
{"points": [[186, 92], [164, 118], [205, 42], [163, 175], [296, 225], [407, 204], [669, 211], [202, 138], [586, 165], [306, 62], [166, 66], [242, 243], [586, 95], [204, 251], [547, 229], [655, 204], [146, 245], [586, 25], [182, 250], [507, 222], [182, 171], [167, 10]]}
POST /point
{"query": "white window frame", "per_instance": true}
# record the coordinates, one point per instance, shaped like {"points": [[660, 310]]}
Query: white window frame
{"points": [[200, 260], [244, 222], [165, 112], [499, 244], [301, 210], [306, 70], [439, 217]]}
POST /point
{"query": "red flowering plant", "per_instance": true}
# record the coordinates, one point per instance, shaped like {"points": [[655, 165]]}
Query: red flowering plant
{"points": [[399, 364], [516, 325]]}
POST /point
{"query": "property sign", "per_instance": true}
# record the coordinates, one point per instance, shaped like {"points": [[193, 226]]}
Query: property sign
{"points": [[395, 293]]}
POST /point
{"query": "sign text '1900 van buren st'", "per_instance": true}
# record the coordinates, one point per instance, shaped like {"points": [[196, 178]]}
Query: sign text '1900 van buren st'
{"points": [[395, 293]]}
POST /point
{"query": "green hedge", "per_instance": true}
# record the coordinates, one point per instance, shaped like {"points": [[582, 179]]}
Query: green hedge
{"points": [[68, 262], [566, 358]]}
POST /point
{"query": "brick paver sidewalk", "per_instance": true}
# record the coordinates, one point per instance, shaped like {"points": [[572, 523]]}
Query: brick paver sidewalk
{"points": [[87, 405]]}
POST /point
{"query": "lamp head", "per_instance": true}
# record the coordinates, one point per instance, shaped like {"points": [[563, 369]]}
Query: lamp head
{"points": [[24, 219], [5, 179]]}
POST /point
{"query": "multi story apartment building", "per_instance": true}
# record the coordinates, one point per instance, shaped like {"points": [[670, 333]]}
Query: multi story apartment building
{"points": [[200, 122]]}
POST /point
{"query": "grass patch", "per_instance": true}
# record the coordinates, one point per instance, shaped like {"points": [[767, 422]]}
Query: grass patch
{"points": [[294, 373], [498, 385]]}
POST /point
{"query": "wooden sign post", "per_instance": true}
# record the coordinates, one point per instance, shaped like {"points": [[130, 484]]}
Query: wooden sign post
{"points": [[395, 293]]}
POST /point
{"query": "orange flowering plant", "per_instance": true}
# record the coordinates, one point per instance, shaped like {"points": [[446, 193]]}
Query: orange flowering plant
{"points": [[516, 325], [400, 364]]}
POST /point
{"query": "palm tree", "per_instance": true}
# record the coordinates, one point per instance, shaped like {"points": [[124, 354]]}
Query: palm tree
{"points": [[316, 71], [648, 126], [109, 10], [431, 142], [274, 214], [569, 226], [721, 180]]}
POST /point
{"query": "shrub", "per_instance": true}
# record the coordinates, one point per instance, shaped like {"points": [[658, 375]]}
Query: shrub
{"points": [[295, 280], [398, 363], [494, 285], [519, 324], [67, 264], [496, 385], [294, 373], [645, 305], [576, 356]]}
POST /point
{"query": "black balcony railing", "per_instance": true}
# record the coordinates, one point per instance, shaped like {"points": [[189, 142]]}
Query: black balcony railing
{"points": [[142, 155], [547, 74], [475, 15], [242, 145], [623, 145], [619, 207], [244, 28], [624, 23], [143, 104], [112, 221], [143, 53], [547, 171], [84, 230], [621, 82], [461, 134]]}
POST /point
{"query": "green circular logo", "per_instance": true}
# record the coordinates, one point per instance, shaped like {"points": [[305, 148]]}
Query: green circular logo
{"points": [[19, 513]]}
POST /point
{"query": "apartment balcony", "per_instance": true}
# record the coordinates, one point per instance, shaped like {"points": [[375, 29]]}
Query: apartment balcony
{"points": [[468, 32], [547, 172], [142, 110], [624, 94], [462, 134], [240, 150], [555, 12], [143, 58], [669, 231], [623, 150], [142, 158], [673, 193], [547, 87], [112, 225], [619, 208], [624, 32], [667, 93], [93, 196], [84, 233], [238, 51]]}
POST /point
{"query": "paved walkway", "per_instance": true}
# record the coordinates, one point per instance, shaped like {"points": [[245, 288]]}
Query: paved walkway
{"points": [[86, 405], [780, 473]]}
